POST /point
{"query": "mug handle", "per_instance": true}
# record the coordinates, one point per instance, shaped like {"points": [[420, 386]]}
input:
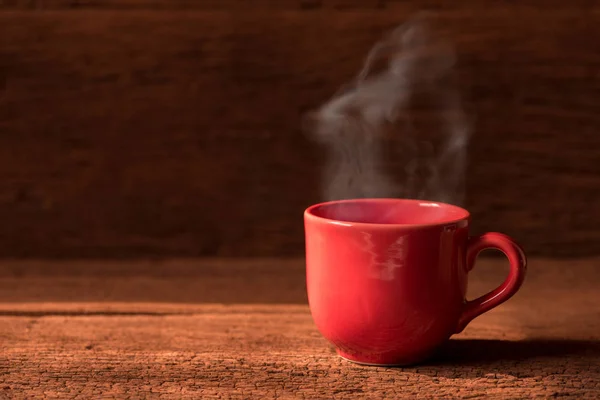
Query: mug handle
{"points": [[518, 267]]}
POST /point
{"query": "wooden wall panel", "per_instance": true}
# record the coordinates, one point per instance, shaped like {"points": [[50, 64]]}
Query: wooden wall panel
{"points": [[128, 133], [464, 6]]}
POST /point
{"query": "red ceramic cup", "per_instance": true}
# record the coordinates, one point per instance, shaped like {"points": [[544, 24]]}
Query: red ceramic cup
{"points": [[387, 278]]}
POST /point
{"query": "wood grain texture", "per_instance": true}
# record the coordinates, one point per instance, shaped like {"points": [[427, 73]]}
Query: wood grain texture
{"points": [[177, 133], [236, 5], [544, 342]]}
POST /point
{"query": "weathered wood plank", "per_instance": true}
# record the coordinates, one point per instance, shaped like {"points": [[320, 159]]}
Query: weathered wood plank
{"points": [[128, 133], [51, 286], [544, 342], [278, 354], [169, 281]]}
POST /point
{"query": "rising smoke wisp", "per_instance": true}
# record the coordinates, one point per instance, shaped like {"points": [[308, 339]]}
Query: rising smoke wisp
{"points": [[377, 110]]}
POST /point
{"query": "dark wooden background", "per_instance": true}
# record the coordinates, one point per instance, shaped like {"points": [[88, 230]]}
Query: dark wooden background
{"points": [[172, 128]]}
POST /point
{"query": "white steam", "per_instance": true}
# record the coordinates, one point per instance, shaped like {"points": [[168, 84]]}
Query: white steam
{"points": [[384, 106]]}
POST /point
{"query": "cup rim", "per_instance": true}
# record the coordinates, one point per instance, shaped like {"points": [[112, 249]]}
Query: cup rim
{"points": [[310, 215]]}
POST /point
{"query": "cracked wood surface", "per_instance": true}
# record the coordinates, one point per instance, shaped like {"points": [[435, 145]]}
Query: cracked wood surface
{"points": [[242, 329]]}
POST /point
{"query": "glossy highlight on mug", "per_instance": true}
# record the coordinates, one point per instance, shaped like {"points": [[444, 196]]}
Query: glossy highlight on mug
{"points": [[387, 278]]}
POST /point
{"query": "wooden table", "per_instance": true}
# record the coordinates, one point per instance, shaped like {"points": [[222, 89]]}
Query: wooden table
{"points": [[241, 329]]}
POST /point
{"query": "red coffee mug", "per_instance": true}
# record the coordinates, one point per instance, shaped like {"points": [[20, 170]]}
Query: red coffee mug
{"points": [[387, 278]]}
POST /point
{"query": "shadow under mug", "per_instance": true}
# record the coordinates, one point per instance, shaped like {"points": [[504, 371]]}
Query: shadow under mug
{"points": [[387, 278]]}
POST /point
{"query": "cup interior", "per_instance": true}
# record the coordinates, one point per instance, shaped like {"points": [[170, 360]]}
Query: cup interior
{"points": [[389, 212]]}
